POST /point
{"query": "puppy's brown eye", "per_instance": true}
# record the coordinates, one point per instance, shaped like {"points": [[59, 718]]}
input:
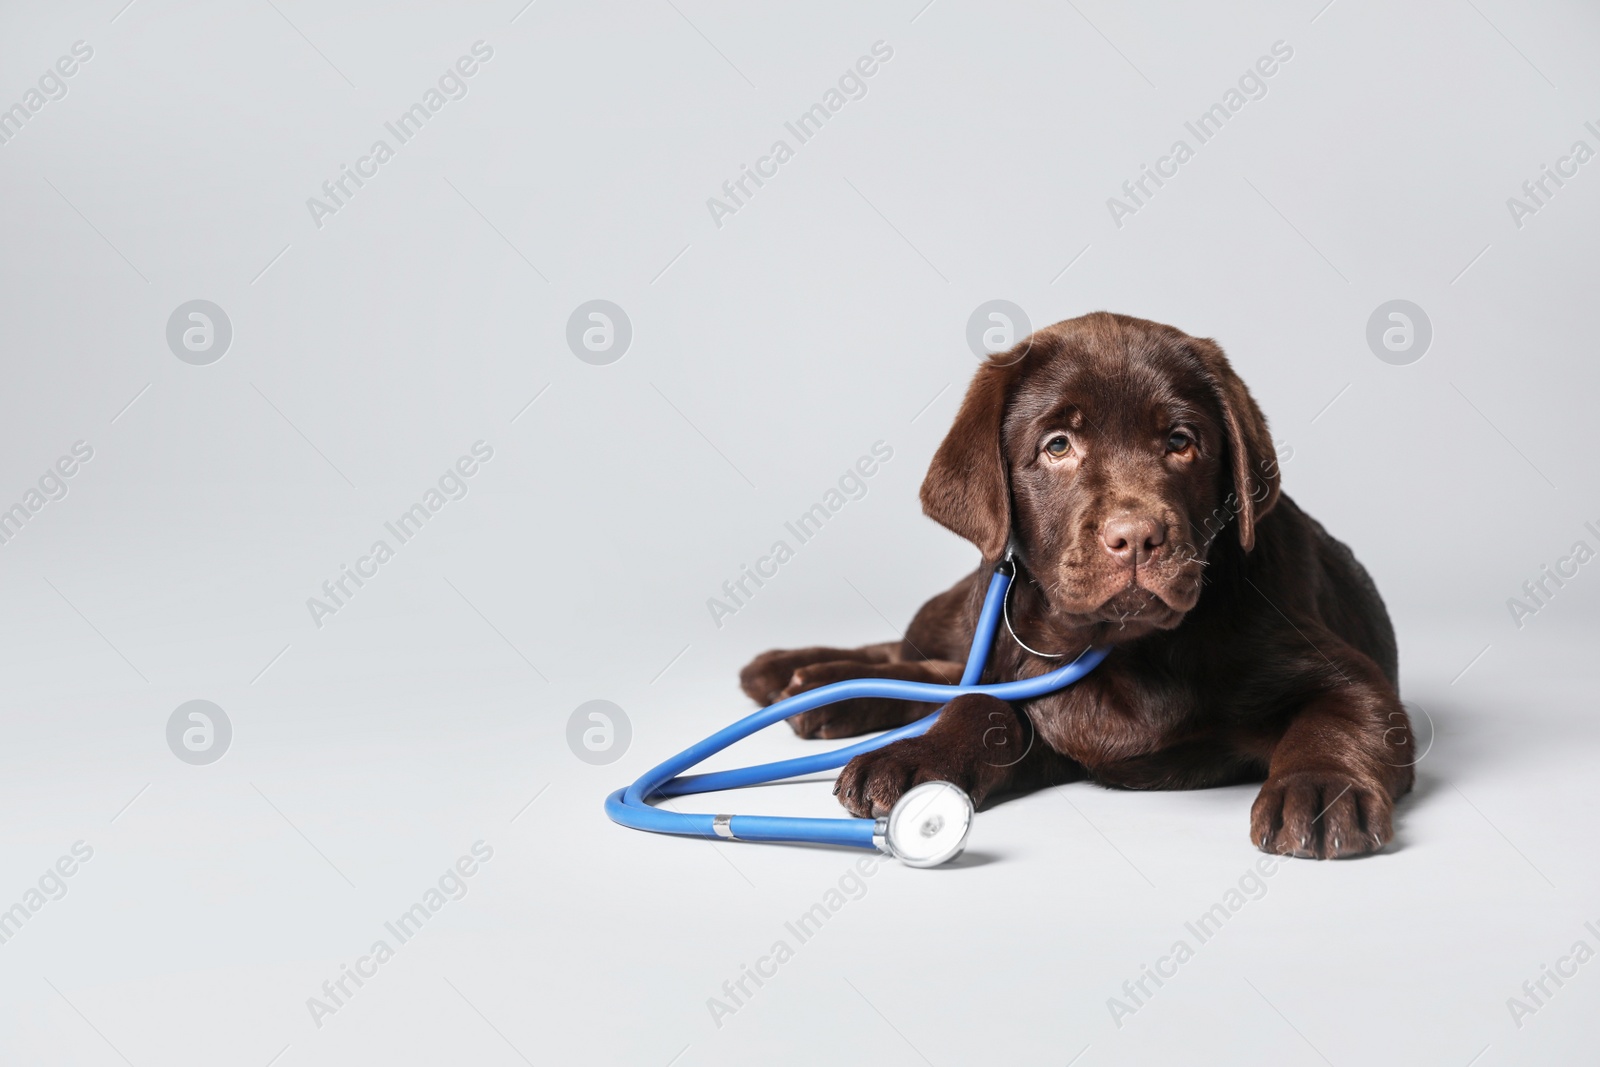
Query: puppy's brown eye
{"points": [[1058, 445], [1179, 442]]}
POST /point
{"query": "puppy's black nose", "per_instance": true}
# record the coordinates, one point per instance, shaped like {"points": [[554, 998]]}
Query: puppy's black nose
{"points": [[1133, 539]]}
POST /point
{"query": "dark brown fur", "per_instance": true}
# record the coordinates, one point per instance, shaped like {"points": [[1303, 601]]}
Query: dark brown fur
{"points": [[1248, 643]]}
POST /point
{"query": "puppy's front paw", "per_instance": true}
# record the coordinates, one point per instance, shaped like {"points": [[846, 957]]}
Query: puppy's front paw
{"points": [[847, 718], [1321, 815], [763, 677], [870, 784]]}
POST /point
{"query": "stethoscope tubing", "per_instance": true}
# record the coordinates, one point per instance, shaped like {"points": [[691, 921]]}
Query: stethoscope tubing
{"points": [[629, 806]]}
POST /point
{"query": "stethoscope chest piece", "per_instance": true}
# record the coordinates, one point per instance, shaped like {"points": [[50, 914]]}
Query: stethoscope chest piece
{"points": [[927, 826]]}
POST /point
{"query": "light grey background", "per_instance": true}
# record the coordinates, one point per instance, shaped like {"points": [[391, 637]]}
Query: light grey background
{"points": [[768, 354]]}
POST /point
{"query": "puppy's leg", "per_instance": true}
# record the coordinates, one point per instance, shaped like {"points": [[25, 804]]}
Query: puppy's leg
{"points": [[1336, 773], [764, 678], [981, 743], [851, 717]]}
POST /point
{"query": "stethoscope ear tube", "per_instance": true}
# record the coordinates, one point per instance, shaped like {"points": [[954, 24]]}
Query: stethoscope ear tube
{"points": [[630, 806]]}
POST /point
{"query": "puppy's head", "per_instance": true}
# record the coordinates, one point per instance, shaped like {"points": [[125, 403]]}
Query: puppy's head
{"points": [[1112, 451]]}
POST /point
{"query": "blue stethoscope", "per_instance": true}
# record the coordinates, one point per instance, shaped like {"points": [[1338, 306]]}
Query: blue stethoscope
{"points": [[927, 826]]}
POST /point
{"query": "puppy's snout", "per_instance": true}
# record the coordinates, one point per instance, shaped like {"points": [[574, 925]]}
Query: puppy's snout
{"points": [[1133, 539]]}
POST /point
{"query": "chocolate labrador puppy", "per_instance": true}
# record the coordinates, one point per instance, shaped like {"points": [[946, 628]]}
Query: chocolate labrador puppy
{"points": [[1128, 474]]}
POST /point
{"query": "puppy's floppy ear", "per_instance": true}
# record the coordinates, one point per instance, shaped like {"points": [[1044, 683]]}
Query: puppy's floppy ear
{"points": [[1254, 460], [968, 489]]}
